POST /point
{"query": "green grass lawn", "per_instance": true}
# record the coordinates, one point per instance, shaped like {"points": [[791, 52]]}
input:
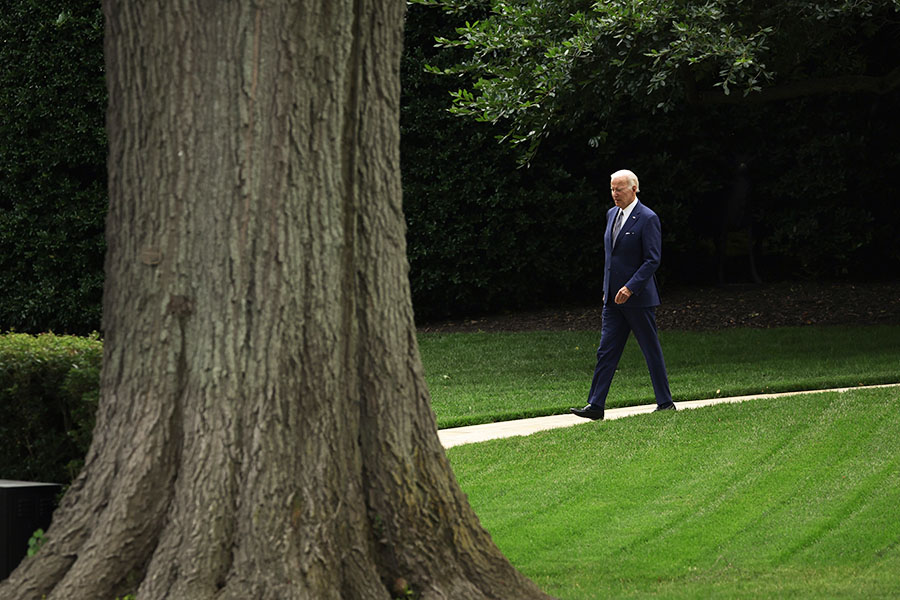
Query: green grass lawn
{"points": [[786, 498], [484, 377]]}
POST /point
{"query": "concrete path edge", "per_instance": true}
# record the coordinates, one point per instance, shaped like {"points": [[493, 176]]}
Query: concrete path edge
{"points": [[456, 436]]}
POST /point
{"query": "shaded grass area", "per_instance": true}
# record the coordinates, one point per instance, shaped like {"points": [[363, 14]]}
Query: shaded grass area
{"points": [[485, 377], [789, 497]]}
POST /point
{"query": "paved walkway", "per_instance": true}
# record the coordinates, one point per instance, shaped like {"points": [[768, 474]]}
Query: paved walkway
{"points": [[456, 436]]}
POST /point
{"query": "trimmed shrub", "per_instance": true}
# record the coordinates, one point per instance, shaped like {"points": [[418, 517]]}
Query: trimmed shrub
{"points": [[49, 387]]}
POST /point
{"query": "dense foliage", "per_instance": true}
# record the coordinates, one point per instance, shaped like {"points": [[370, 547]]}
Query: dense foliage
{"points": [[538, 65], [52, 165], [484, 232], [49, 386]]}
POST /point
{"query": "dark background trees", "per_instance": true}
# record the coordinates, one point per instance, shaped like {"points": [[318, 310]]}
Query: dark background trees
{"points": [[796, 161], [803, 170], [482, 232], [52, 165]]}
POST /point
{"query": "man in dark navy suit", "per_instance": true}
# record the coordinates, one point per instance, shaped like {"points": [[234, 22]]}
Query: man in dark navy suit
{"points": [[632, 245]]}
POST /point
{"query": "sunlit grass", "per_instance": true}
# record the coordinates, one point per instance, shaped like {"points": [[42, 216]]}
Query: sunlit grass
{"points": [[484, 377], [791, 497]]}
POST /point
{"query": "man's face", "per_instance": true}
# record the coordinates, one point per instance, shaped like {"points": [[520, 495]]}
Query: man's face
{"points": [[622, 193]]}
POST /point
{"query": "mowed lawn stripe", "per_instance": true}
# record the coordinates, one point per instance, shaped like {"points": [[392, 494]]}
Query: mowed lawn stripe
{"points": [[792, 496]]}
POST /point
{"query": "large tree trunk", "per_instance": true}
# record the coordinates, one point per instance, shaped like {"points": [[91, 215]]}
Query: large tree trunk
{"points": [[264, 430]]}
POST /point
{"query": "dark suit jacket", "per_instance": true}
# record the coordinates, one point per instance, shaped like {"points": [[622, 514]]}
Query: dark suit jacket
{"points": [[633, 260]]}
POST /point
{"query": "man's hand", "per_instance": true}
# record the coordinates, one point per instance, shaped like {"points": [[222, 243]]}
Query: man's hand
{"points": [[623, 295]]}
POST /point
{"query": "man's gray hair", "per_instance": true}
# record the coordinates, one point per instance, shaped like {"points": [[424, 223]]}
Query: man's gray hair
{"points": [[631, 177]]}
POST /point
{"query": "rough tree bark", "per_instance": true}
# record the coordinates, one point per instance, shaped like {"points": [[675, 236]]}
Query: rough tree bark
{"points": [[264, 430]]}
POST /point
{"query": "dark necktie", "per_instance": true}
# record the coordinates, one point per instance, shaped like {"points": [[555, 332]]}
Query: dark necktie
{"points": [[617, 225]]}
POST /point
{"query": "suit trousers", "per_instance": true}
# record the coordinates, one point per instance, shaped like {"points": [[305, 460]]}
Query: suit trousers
{"points": [[618, 322]]}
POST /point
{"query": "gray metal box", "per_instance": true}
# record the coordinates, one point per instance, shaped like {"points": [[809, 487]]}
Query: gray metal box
{"points": [[25, 506]]}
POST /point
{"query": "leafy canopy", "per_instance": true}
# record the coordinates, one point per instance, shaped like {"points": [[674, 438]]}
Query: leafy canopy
{"points": [[539, 65]]}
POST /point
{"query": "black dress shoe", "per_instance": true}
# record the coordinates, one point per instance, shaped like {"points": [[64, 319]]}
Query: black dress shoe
{"points": [[669, 406], [588, 412]]}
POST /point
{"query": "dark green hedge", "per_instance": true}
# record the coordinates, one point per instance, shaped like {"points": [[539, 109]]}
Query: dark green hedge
{"points": [[484, 232], [52, 165], [49, 386]]}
